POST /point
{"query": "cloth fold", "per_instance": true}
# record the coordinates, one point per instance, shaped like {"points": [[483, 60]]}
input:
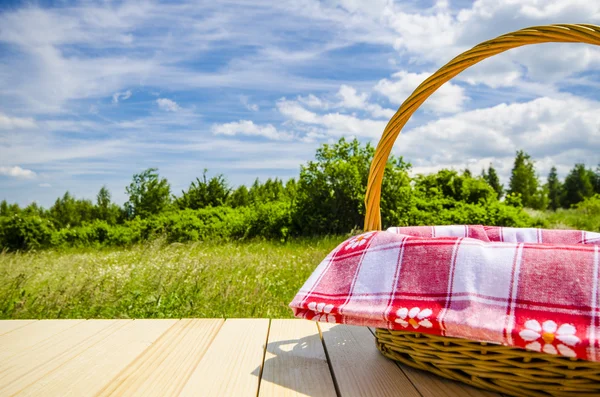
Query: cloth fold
{"points": [[529, 288]]}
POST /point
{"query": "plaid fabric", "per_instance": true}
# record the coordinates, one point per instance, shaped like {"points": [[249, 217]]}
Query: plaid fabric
{"points": [[529, 288]]}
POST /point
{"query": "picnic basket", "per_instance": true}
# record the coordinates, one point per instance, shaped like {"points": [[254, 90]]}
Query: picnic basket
{"points": [[511, 371]]}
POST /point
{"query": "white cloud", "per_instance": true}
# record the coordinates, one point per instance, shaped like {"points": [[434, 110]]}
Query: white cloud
{"points": [[350, 99], [247, 127], [333, 124], [17, 172], [9, 123], [250, 106], [554, 131], [168, 105], [449, 98], [313, 102], [121, 96], [45, 185]]}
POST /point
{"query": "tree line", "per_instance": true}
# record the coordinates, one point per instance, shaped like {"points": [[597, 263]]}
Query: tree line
{"points": [[326, 198]]}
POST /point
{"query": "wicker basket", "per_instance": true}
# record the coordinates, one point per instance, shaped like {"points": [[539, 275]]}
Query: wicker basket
{"points": [[508, 370]]}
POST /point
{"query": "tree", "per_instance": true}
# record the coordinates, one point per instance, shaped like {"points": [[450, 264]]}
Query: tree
{"points": [[597, 180], [578, 185], [554, 188], [331, 190], [67, 211], [269, 191], [491, 177], [105, 209], [524, 181], [448, 184], [4, 208], [239, 197], [34, 209], [148, 194], [205, 193]]}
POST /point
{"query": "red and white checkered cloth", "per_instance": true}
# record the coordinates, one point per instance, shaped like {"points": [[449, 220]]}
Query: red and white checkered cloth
{"points": [[529, 288]]}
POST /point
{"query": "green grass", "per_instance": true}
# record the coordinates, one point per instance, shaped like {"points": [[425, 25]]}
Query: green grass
{"points": [[155, 280]]}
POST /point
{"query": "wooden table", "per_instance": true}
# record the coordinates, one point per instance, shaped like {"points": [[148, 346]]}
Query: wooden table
{"points": [[204, 357]]}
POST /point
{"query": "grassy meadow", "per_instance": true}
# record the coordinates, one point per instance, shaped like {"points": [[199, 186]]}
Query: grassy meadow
{"points": [[159, 280]]}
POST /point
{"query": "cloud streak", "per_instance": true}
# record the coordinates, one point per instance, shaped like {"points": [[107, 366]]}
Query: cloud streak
{"points": [[17, 172]]}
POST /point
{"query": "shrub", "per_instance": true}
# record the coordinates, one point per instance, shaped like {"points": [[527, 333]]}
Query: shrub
{"points": [[24, 232]]}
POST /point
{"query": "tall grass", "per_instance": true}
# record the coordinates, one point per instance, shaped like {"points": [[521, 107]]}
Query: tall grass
{"points": [[158, 280]]}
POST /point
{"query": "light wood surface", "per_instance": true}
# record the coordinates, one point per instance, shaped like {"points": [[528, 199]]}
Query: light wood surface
{"points": [[10, 325], [89, 372], [204, 357], [164, 368], [295, 362], [232, 364]]}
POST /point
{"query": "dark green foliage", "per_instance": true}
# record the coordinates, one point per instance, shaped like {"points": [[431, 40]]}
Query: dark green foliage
{"points": [[148, 194], [491, 177], [597, 180], [239, 197], [21, 232], [271, 190], [554, 188], [450, 185], [204, 193], [68, 211], [524, 181], [106, 210], [9, 209], [331, 189], [579, 185]]}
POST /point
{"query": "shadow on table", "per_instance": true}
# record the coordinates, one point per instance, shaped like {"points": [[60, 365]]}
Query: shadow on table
{"points": [[296, 364]]}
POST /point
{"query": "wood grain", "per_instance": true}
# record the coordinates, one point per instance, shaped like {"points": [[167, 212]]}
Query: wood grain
{"points": [[20, 340], [232, 363], [24, 369], [295, 362], [89, 372], [358, 367], [7, 326], [165, 367]]}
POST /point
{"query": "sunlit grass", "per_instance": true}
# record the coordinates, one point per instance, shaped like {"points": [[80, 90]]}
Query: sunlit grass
{"points": [[254, 279]]}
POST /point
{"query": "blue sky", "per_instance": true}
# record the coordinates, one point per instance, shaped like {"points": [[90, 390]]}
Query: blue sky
{"points": [[92, 92]]}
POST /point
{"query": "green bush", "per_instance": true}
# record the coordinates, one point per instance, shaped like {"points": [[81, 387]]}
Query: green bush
{"points": [[19, 232]]}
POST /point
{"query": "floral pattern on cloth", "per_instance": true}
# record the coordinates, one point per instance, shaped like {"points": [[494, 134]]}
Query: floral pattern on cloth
{"points": [[485, 284], [414, 317], [358, 241], [321, 312], [549, 338]]}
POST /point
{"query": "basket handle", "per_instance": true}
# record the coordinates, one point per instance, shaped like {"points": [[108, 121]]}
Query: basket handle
{"points": [[580, 33]]}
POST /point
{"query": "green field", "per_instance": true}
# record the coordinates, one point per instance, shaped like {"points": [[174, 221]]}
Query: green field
{"points": [[157, 280]]}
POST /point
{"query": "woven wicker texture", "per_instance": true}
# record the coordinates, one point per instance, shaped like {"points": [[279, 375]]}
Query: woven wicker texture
{"points": [[508, 370]]}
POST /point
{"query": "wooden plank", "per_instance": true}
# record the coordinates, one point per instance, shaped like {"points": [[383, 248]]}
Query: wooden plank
{"points": [[7, 326], [232, 363], [431, 385], [295, 362], [25, 338], [28, 367], [358, 367], [89, 372], [165, 367]]}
